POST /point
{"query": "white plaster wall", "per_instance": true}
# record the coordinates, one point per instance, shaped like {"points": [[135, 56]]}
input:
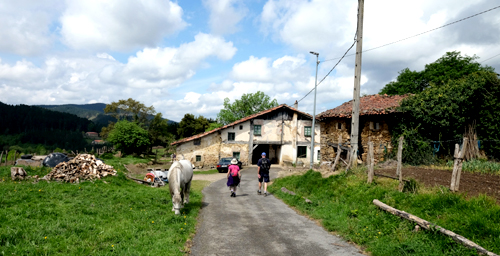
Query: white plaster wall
{"points": [[240, 135]]}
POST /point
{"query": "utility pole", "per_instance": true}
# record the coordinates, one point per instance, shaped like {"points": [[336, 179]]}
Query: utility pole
{"points": [[314, 110], [357, 80]]}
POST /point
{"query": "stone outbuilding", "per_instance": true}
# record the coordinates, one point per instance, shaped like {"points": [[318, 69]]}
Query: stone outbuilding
{"points": [[283, 132], [377, 115]]}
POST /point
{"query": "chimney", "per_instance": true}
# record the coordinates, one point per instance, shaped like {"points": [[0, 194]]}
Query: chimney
{"points": [[296, 105]]}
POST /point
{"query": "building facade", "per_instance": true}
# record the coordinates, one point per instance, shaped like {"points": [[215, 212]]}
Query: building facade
{"points": [[376, 118], [282, 132]]}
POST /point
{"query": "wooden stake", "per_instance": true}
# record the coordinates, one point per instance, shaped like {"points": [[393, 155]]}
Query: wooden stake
{"points": [[457, 165], [399, 172], [370, 161], [1, 158], [430, 226], [339, 150]]}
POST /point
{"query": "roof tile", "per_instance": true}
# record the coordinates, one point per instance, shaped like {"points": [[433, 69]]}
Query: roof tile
{"points": [[197, 136], [369, 105]]}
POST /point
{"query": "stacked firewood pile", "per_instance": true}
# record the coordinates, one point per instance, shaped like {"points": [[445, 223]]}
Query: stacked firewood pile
{"points": [[82, 167]]}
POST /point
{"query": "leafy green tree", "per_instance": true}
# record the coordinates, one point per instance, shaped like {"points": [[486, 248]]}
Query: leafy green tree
{"points": [[158, 130], [443, 112], [131, 110], [189, 125], [129, 137], [213, 126], [451, 66], [249, 104]]}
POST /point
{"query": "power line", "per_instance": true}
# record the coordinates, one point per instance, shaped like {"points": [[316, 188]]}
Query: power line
{"points": [[422, 32], [490, 58], [355, 34]]}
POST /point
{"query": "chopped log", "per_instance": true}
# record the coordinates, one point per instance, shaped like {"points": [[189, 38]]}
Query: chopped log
{"points": [[339, 150], [430, 226], [17, 173], [370, 162], [400, 159]]}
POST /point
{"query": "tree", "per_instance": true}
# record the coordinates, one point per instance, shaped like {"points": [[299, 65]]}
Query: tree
{"points": [[451, 66], [131, 110], [129, 137], [443, 112], [248, 104], [158, 130], [144, 117], [190, 125]]}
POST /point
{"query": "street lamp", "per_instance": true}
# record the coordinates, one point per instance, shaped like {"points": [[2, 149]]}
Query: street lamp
{"points": [[314, 110]]}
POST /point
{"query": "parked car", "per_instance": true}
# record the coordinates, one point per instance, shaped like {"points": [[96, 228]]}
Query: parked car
{"points": [[223, 164]]}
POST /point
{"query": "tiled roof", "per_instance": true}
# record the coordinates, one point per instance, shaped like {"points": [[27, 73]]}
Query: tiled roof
{"points": [[369, 105], [197, 136]]}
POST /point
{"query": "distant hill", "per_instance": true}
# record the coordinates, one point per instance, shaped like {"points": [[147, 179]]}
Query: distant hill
{"points": [[93, 112]]}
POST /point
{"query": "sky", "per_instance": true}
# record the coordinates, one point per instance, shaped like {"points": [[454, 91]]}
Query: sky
{"points": [[188, 56]]}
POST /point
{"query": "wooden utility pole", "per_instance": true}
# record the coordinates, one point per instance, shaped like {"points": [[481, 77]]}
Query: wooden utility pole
{"points": [[357, 80]]}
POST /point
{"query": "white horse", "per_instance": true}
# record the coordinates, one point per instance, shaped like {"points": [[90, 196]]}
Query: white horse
{"points": [[180, 175]]}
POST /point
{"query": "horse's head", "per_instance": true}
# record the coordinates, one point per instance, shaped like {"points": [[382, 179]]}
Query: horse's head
{"points": [[177, 202]]}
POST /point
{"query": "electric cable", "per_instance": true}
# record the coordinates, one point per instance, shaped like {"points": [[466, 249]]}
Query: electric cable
{"points": [[489, 58], [448, 24]]}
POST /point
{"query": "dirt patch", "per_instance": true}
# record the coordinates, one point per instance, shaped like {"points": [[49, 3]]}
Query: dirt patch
{"points": [[472, 184], [139, 171], [210, 177]]}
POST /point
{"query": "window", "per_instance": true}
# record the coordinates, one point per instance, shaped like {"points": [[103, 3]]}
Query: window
{"points": [[257, 129], [374, 126], [197, 142], [241, 127], [319, 156], [302, 152], [230, 136], [339, 126], [198, 158], [236, 155], [307, 131]]}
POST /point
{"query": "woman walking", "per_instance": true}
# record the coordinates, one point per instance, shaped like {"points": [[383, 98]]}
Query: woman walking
{"points": [[233, 176]]}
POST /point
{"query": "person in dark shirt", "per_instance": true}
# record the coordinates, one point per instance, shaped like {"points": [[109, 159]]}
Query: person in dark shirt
{"points": [[263, 166]]}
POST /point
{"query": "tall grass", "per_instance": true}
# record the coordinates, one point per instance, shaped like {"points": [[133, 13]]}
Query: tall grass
{"points": [[113, 216], [479, 166], [344, 205]]}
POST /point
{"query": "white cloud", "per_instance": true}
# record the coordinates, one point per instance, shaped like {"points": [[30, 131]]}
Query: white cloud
{"points": [[25, 26], [119, 25], [225, 15], [147, 76]]}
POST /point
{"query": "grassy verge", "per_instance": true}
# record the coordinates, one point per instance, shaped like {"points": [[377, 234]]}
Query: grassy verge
{"points": [[206, 172], [119, 217], [478, 166], [344, 205]]}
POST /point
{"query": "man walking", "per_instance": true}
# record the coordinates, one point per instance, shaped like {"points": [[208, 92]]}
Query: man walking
{"points": [[263, 166]]}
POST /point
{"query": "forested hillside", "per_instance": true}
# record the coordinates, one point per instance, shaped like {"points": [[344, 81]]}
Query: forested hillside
{"points": [[22, 124]]}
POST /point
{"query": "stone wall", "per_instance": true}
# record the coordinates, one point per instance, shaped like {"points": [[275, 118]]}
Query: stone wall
{"points": [[369, 130]]}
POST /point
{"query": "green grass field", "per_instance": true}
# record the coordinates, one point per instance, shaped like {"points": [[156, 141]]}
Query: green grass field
{"points": [[119, 217], [344, 205]]}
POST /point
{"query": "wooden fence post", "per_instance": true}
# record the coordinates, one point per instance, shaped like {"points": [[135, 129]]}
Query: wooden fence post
{"points": [[1, 158], [339, 150], [399, 172], [457, 165], [370, 159]]}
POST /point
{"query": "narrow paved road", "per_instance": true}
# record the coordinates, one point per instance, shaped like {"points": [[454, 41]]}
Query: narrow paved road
{"points": [[252, 224]]}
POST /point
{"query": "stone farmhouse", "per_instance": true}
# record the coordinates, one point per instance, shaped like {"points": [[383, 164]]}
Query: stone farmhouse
{"points": [[283, 132], [377, 115]]}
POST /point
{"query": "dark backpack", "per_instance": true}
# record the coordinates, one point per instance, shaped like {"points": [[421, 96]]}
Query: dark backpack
{"points": [[264, 165]]}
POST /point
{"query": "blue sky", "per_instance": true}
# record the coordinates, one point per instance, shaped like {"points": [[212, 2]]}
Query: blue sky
{"points": [[187, 56]]}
